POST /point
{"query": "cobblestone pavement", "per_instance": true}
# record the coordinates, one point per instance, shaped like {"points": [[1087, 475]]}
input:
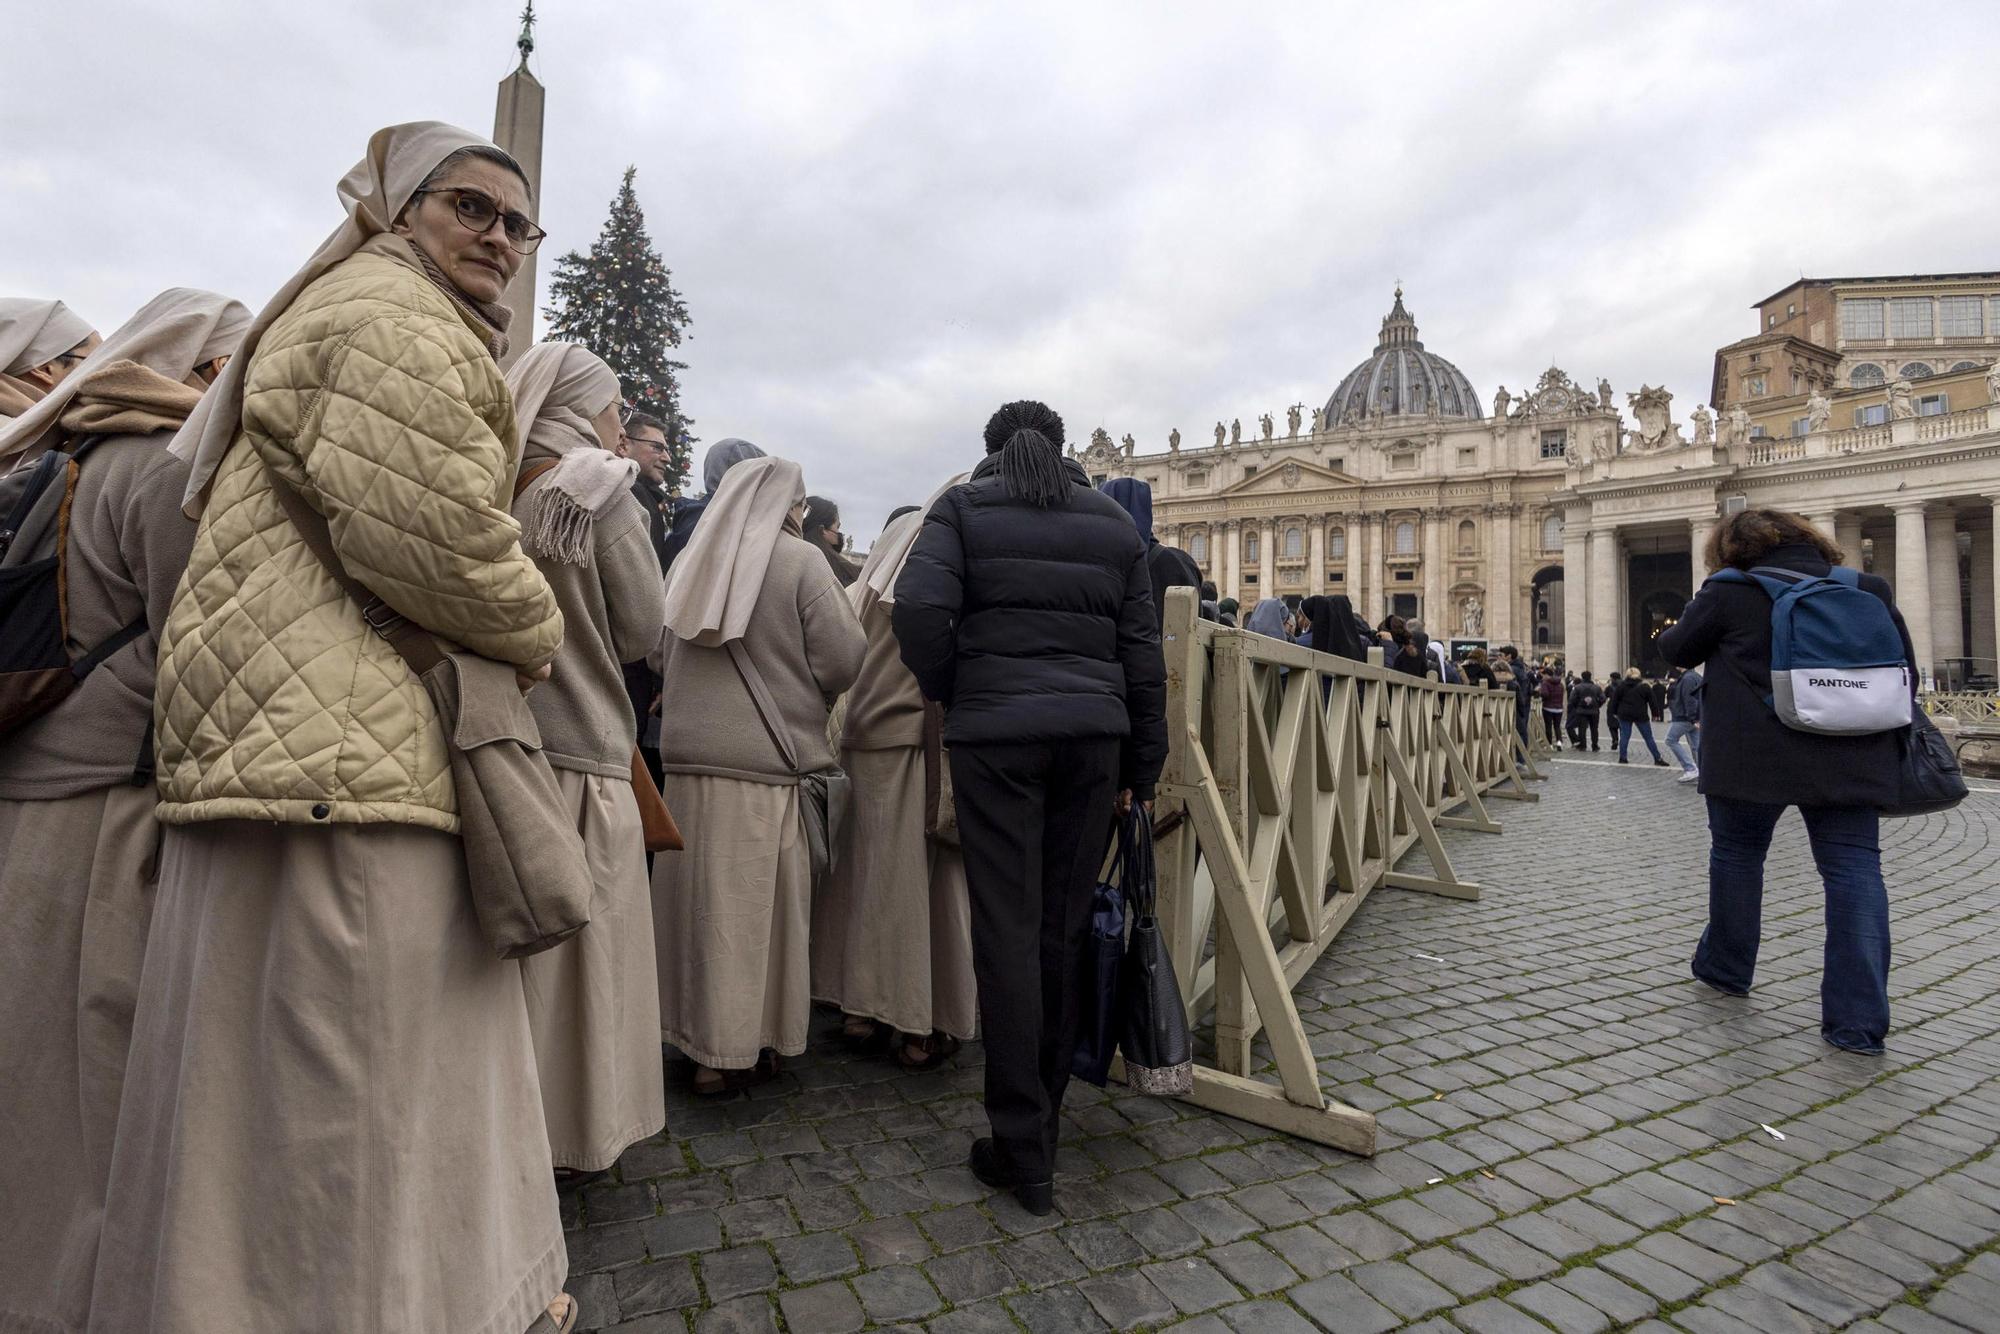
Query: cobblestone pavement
{"points": [[1574, 1133]]}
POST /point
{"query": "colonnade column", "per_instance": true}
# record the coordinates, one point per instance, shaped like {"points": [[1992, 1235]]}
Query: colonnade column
{"points": [[1604, 629], [1947, 629], [1316, 554], [1228, 564], [1913, 592], [1576, 598], [1267, 539], [1365, 547], [1699, 528], [1434, 581], [1847, 536], [1982, 647]]}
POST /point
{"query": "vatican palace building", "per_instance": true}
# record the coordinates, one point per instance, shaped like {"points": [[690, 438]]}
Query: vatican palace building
{"points": [[1571, 524]]}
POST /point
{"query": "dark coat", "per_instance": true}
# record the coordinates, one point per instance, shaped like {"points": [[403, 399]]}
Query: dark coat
{"points": [[652, 498], [1631, 700], [1033, 624], [1476, 673], [1746, 753], [1585, 698], [1169, 567], [1684, 699], [680, 527], [1656, 699]]}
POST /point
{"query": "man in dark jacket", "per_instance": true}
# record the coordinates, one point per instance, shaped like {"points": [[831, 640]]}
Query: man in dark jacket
{"points": [[1523, 686], [643, 439], [1585, 699], [1026, 609], [1169, 567], [1684, 701]]}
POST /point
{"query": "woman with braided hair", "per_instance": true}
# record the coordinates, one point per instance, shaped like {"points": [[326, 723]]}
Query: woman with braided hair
{"points": [[1026, 609]]}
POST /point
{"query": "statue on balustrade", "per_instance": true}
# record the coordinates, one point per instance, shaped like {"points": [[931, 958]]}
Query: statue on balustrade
{"points": [[1900, 404], [1993, 383], [1235, 430], [1603, 392], [1736, 433], [1267, 425], [1501, 398], [1221, 433], [1292, 420], [1819, 410], [1319, 420], [1704, 425], [1174, 441]]}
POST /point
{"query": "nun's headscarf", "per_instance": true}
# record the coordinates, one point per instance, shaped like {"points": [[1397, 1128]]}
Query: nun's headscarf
{"points": [[558, 388], [1136, 499], [34, 333], [721, 457], [715, 583], [173, 333], [1268, 618], [374, 193], [1333, 629], [877, 580]]}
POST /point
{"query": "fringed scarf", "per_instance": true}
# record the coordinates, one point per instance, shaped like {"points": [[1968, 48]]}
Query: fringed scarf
{"points": [[558, 388]]}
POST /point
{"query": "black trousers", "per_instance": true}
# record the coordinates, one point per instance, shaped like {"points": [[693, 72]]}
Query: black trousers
{"points": [[1585, 722], [1034, 822]]}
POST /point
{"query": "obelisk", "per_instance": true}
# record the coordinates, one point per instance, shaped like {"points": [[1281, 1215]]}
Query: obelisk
{"points": [[517, 127]]}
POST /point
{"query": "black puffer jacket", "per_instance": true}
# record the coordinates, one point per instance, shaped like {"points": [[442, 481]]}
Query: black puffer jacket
{"points": [[1631, 700], [1746, 752], [1036, 625]]}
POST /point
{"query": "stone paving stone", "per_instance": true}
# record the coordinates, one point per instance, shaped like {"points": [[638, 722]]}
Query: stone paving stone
{"points": [[1493, 1316], [1253, 1267], [1402, 1289], [1267, 1318], [1464, 1278], [980, 1318], [1601, 1290], [811, 1258], [1126, 1300], [899, 1292], [968, 1276], [664, 1285], [1055, 1311], [825, 1308], [738, 1272], [1566, 1312], [1336, 1302], [1193, 1285]]}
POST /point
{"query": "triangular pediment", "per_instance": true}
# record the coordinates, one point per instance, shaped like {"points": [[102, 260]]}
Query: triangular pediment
{"points": [[1277, 478]]}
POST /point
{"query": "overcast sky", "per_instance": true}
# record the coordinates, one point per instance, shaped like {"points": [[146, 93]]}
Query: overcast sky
{"points": [[888, 218]]}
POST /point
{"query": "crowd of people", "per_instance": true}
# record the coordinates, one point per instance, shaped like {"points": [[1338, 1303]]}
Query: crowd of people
{"points": [[268, 1068]]}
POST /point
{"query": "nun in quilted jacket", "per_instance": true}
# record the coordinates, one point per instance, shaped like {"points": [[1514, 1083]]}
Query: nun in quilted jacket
{"points": [[332, 1118]]}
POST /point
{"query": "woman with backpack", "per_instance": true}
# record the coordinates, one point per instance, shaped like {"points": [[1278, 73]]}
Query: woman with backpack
{"points": [[78, 843], [1754, 765], [1631, 705]]}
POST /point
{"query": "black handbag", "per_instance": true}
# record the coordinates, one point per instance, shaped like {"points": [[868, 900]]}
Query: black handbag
{"points": [[1103, 970], [1928, 778], [1158, 1050]]}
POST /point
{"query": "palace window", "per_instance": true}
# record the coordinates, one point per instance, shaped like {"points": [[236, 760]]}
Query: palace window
{"points": [[1403, 458], [1862, 317], [1406, 539], [1800, 425], [1798, 383], [1932, 405], [1553, 443], [1866, 374], [1759, 433], [1916, 370], [1552, 533], [1336, 542], [1771, 320], [1966, 366], [1874, 415], [1336, 463], [1198, 548], [1910, 317], [1196, 480], [1250, 545], [1791, 311], [1959, 316], [1468, 456], [1468, 536], [1295, 544], [1249, 471]]}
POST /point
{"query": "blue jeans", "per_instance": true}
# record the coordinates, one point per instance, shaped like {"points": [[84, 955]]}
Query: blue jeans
{"points": [[1625, 726], [1677, 731], [1854, 982]]}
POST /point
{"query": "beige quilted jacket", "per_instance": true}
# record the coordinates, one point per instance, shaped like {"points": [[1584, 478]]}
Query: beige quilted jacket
{"points": [[275, 700]]}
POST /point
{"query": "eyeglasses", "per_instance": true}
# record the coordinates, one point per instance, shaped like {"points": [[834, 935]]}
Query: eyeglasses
{"points": [[641, 442], [476, 213]]}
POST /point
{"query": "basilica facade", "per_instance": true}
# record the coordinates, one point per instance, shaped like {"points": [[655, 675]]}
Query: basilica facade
{"points": [[1556, 522]]}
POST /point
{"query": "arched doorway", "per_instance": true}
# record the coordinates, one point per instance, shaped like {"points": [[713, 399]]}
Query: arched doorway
{"points": [[1546, 612], [1657, 611]]}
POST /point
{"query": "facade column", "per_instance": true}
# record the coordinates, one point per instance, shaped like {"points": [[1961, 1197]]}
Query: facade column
{"points": [[1267, 556], [1847, 536], [1982, 647], [1913, 593], [1699, 528], [1576, 594], [1606, 635], [1356, 585], [1947, 629], [1434, 559], [1500, 577], [1316, 555], [1370, 605], [1228, 565]]}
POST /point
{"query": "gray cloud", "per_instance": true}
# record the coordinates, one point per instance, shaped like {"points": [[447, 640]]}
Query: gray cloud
{"points": [[888, 218]]}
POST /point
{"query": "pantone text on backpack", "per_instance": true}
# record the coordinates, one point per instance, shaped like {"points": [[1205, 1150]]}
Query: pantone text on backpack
{"points": [[1837, 665]]}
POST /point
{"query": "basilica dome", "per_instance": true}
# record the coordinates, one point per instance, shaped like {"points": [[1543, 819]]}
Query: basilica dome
{"points": [[1401, 379]]}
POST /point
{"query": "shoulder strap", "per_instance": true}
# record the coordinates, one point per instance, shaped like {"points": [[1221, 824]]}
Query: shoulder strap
{"points": [[411, 641], [529, 474], [1845, 574], [767, 708]]}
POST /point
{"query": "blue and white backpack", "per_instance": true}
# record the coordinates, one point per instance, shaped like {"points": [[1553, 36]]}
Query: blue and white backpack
{"points": [[1837, 665]]}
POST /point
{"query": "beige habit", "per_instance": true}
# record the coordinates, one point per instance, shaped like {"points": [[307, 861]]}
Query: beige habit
{"points": [[332, 1119], [77, 837], [593, 1001], [732, 912], [892, 926]]}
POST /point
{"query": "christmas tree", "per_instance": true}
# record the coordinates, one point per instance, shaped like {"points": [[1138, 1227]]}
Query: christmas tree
{"points": [[619, 301]]}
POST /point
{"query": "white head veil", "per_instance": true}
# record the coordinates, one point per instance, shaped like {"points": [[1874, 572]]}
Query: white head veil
{"points": [[558, 388], [34, 333], [172, 334], [716, 581], [374, 193], [877, 580]]}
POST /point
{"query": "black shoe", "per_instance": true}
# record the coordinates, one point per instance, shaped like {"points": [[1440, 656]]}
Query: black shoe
{"points": [[1717, 986], [1659, 764], [1623, 760], [1037, 1197]]}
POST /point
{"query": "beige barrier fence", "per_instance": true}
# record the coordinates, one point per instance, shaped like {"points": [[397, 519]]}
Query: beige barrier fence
{"points": [[1295, 784]]}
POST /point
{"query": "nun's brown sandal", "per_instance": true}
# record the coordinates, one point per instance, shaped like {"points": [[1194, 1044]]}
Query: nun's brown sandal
{"points": [[546, 1323], [713, 1083], [927, 1053]]}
